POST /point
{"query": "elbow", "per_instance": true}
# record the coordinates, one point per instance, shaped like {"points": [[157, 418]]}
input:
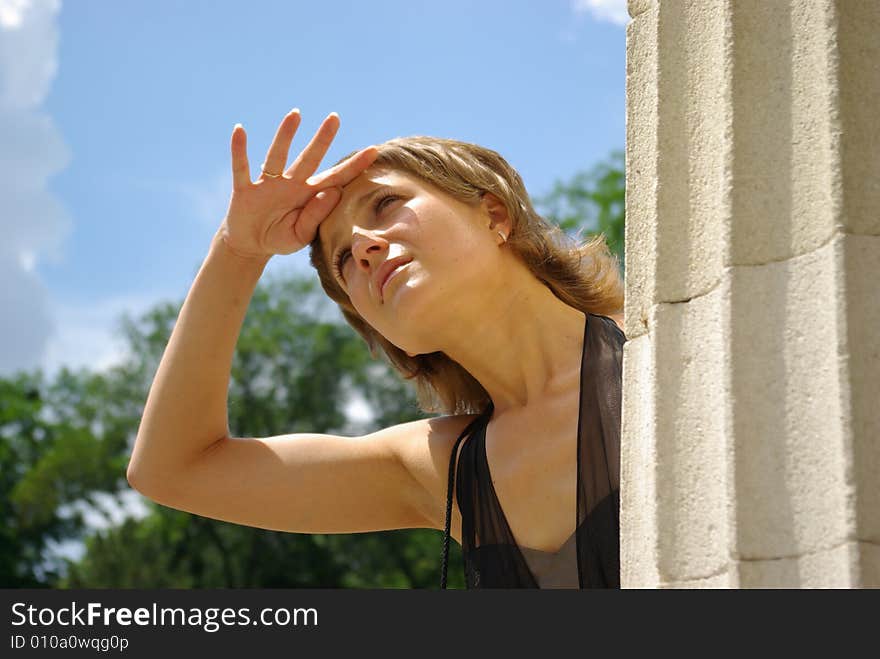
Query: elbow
{"points": [[147, 487], [155, 476], [135, 479], [134, 472], [141, 479]]}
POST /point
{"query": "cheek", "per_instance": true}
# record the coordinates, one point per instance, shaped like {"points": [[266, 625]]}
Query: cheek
{"points": [[367, 306], [461, 256], [359, 298]]}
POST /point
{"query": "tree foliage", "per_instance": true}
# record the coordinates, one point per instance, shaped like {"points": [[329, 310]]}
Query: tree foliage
{"points": [[592, 201]]}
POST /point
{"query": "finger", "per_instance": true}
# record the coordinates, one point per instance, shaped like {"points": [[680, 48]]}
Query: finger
{"points": [[276, 157], [241, 172], [310, 157], [314, 212], [346, 171]]}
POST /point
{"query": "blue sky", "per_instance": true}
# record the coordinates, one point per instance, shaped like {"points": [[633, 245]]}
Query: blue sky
{"points": [[114, 156]]}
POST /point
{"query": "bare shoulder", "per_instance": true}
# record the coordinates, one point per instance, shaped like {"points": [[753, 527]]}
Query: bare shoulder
{"points": [[617, 318], [424, 447]]}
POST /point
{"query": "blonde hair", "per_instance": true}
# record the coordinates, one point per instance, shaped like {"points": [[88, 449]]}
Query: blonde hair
{"points": [[584, 275]]}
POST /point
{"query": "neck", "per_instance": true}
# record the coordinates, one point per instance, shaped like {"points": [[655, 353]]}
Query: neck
{"points": [[524, 344]]}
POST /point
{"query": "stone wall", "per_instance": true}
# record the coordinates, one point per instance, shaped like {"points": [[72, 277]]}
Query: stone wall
{"points": [[751, 409]]}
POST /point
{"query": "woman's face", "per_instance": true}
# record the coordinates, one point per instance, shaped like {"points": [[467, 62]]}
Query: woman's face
{"points": [[438, 247]]}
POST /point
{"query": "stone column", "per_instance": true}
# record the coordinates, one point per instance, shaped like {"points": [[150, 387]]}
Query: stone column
{"points": [[751, 406]]}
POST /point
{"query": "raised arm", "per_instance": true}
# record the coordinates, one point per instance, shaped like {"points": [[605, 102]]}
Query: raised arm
{"points": [[183, 456], [186, 409]]}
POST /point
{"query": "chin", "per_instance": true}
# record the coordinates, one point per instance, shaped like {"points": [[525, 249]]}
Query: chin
{"points": [[404, 317]]}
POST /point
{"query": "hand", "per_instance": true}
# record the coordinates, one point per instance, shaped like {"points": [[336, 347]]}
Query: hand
{"points": [[281, 215]]}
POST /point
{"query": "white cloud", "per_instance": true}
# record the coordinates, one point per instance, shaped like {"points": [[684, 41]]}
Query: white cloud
{"points": [[359, 410], [86, 333], [33, 224], [12, 13], [28, 48], [111, 510], [27, 319], [613, 11]]}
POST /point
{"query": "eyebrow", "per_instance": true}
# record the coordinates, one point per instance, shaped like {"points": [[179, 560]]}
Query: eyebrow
{"points": [[358, 205]]}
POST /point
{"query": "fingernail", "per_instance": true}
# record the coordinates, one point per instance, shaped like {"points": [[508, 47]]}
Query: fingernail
{"points": [[323, 194], [236, 127], [293, 110]]}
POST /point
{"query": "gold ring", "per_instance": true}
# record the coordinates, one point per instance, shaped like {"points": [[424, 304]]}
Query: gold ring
{"points": [[269, 174]]}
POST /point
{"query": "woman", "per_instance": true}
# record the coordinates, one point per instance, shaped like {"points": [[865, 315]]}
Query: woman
{"points": [[433, 252]]}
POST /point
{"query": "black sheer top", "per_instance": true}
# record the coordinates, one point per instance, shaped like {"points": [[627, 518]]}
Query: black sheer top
{"points": [[591, 557]]}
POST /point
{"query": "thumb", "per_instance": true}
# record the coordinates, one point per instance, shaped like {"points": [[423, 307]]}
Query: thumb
{"points": [[314, 212]]}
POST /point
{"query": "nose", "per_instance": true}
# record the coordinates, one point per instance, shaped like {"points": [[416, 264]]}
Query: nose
{"points": [[368, 250]]}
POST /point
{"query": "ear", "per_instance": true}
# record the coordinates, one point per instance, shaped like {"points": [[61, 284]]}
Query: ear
{"points": [[496, 212]]}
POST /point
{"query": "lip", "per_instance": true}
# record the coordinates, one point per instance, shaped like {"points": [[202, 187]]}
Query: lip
{"points": [[386, 270]]}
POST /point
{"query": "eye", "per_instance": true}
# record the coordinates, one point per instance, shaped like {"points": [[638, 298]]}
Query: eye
{"points": [[380, 201], [344, 254], [340, 262]]}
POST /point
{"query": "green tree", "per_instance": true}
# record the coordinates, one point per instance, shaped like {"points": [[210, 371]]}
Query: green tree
{"points": [[24, 529], [60, 443], [592, 201]]}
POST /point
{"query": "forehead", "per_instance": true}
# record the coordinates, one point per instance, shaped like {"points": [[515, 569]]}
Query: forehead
{"points": [[333, 226]]}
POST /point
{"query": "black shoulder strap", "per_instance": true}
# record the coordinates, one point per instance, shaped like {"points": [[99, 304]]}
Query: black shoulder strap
{"points": [[464, 433]]}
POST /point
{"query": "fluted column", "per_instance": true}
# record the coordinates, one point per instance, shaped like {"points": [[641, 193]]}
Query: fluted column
{"points": [[751, 406]]}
